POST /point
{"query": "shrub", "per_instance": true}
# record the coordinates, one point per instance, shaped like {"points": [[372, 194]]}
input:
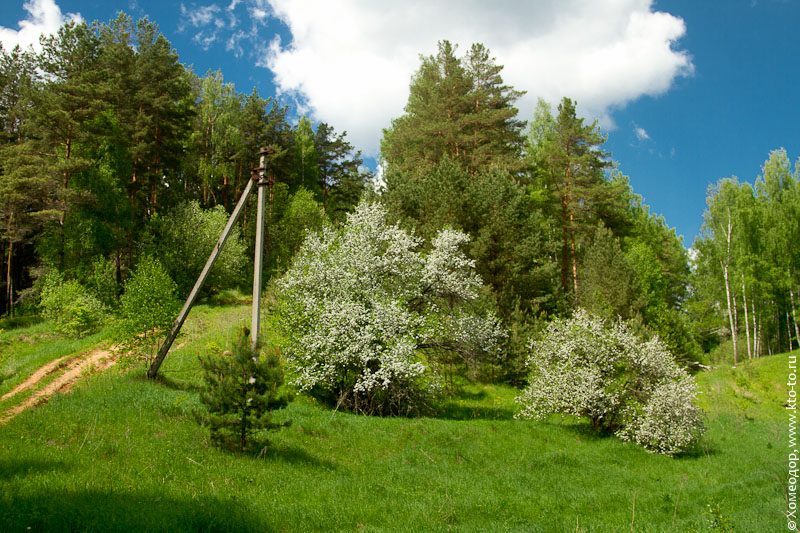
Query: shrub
{"points": [[367, 315], [185, 239], [633, 388], [103, 282], [73, 311], [241, 391], [149, 298], [669, 422]]}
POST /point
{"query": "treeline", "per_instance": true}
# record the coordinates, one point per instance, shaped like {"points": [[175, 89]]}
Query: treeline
{"points": [[105, 131], [112, 151], [553, 225], [748, 261]]}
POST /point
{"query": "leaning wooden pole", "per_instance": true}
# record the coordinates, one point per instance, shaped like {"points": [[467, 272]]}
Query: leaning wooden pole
{"points": [[255, 322], [187, 306]]}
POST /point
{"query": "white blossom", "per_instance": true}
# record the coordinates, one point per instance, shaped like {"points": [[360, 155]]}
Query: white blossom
{"points": [[581, 367], [365, 300]]}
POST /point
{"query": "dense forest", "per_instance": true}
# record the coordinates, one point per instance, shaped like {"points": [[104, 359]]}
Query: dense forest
{"points": [[113, 154]]}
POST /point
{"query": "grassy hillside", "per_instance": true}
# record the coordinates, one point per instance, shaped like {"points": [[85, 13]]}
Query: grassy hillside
{"points": [[119, 452]]}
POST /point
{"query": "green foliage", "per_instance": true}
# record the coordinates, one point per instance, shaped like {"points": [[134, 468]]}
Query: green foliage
{"points": [[186, 236], [149, 300], [73, 310], [747, 266], [241, 391], [568, 162], [510, 238], [302, 214], [103, 282], [607, 283], [457, 108]]}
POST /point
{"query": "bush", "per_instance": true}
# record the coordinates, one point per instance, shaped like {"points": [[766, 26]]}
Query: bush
{"points": [[103, 282], [149, 298], [185, 239], [241, 391], [669, 422], [367, 316], [69, 306], [633, 388]]}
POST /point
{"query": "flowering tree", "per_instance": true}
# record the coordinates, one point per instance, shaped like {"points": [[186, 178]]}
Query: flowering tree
{"points": [[366, 313], [621, 383]]}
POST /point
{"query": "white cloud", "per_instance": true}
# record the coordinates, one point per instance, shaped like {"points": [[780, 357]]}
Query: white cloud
{"points": [[351, 62], [44, 18], [215, 24], [640, 133], [199, 16]]}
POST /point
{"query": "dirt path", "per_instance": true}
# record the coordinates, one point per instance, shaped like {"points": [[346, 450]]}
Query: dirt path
{"points": [[75, 367], [39, 375]]}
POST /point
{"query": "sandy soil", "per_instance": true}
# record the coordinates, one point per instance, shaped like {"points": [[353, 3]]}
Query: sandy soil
{"points": [[75, 368]]}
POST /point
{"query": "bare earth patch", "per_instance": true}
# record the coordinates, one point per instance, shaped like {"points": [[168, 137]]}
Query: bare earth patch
{"points": [[75, 367]]}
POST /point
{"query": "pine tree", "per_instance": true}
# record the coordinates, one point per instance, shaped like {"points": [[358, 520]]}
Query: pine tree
{"points": [[457, 108], [570, 164], [241, 391], [163, 105], [339, 171]]}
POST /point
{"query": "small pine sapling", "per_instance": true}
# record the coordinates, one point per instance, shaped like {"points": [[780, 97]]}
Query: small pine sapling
{"points": [[241, 391]]}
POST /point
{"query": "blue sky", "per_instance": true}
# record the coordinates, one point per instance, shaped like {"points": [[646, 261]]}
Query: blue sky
{"points": [[688, 92]]}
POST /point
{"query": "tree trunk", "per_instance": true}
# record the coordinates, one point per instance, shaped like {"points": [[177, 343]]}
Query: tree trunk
{"points": [[9, 281], [565, 243], [746, 318], [788, 330], [728, 289], [756, 340], [730, 311]]}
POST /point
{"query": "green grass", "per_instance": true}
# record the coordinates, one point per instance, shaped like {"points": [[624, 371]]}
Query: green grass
{"points": [[122, 453], [31, 344]]}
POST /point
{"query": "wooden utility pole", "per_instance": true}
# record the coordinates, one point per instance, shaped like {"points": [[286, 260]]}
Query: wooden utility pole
{"points": [[187, 306]]}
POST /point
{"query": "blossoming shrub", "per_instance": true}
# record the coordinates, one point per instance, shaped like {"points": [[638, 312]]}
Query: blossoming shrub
{"points": [[366, 313], [622, 384]]}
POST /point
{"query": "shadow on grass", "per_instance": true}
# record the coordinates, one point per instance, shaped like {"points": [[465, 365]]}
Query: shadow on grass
{"points": [[91, 510], [276, 452], [703, 449], [226, 299], [452, 410], [12, 468], [462, 394], [19, 322], [585, 431], [171, 383]]}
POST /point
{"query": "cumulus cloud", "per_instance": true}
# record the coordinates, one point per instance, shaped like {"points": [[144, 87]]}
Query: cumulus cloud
{"points": [[640, 133], [351, 62], [44, 18]]}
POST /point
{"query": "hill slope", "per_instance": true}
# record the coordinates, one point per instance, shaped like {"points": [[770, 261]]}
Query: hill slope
{"points": [[119, 452]]}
